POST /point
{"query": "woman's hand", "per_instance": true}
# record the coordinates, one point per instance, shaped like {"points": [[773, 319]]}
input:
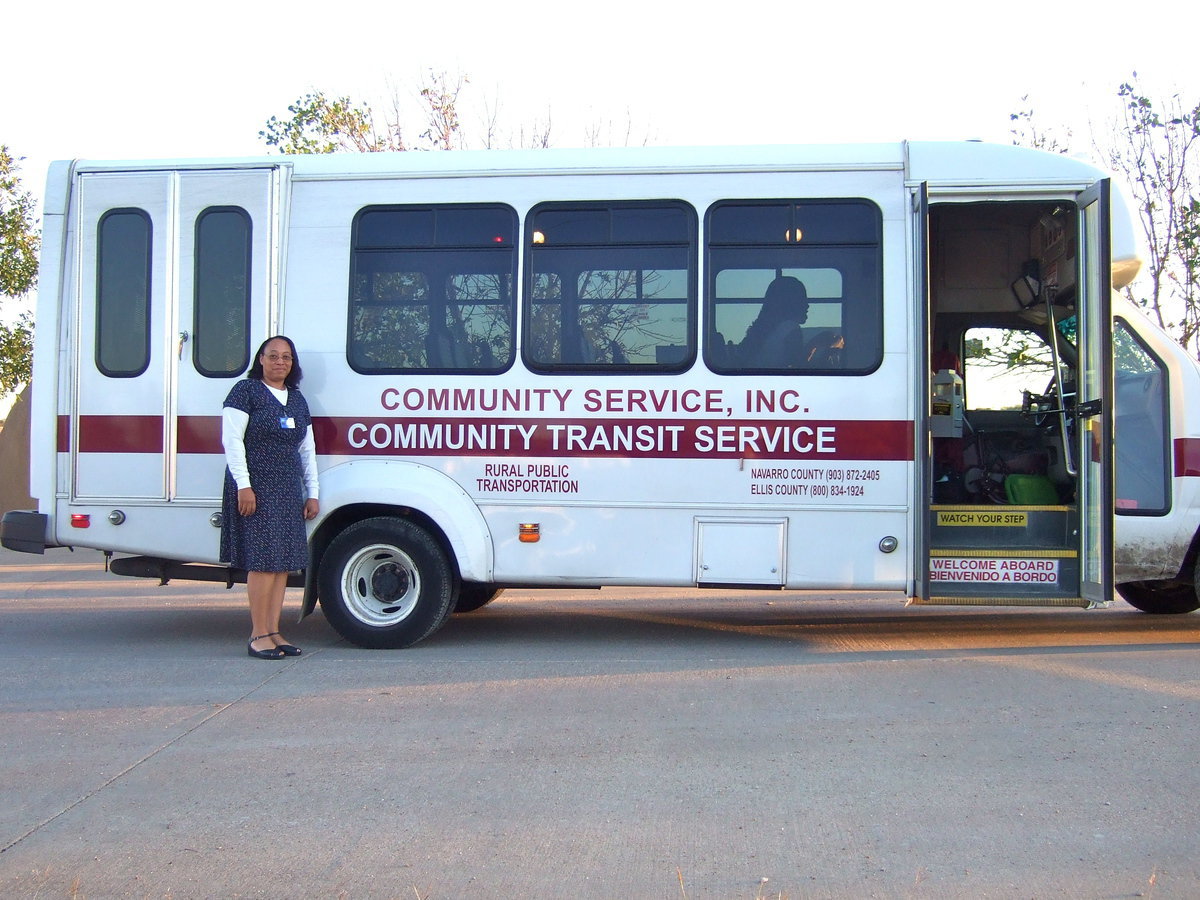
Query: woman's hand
{"points": [[311, 508], [247, 502]]}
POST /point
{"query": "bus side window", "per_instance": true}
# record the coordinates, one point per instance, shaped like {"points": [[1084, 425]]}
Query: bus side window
{"points": [[795, 286], [221, 292], [1143, 464], [123, 293], [611, 286], [432, 289]]}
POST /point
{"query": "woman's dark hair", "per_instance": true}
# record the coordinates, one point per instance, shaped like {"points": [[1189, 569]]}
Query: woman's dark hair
{"points": [[294, 376], [785, 298]]}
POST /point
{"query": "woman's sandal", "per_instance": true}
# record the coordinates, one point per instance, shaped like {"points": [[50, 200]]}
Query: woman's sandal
{"points": [[288, 649], [272, 653]]}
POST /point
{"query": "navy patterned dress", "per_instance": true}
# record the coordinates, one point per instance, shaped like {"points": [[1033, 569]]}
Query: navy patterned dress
{"points": [[273, 539]]}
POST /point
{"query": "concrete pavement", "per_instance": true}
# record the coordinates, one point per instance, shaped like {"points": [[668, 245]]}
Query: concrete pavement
{"points": [[592, 744]]}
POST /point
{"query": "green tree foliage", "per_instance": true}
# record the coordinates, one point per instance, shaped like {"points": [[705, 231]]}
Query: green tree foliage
{"points": [[1026, 131], [18, 231], [322, 124], [19, 242], [319, 123], [16, 354], [1152, 145], [1155, 146], [439, 96]]}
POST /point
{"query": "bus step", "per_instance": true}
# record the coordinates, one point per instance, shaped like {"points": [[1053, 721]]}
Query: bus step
{"points": [[1077, 602], [1003, 526]]}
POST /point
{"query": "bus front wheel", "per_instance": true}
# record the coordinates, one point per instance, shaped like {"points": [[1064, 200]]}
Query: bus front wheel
{"points": [[386, 583], [1160, 597]]}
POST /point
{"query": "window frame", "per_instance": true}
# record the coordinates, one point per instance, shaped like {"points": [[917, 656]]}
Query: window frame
{"points": [[689, 245], [1168, 461], [146, 300], [510, 245], [197, 333], [710, 300]]}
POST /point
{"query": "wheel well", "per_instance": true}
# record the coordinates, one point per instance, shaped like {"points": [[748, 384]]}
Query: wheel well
{"points": [[1186, 574], [1187, 569]]}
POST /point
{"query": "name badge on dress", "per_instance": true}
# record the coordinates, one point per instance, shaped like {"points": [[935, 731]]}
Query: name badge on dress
{"points": [[287, 422]]}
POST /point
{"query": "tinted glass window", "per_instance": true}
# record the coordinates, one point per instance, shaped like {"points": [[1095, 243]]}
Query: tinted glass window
{"points": [[797, 222], [221, 326], [435, 227], [611, 286], [794, 286], [431, 289], [1143, 463], [558, 227], [123, 293], [394, 228]]}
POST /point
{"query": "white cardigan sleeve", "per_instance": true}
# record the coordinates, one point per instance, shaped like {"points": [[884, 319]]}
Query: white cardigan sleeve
{"points": [[233, 439], [308, 461]]}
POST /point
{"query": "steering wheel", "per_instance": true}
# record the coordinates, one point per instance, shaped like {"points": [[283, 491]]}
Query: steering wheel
{"points": [[1048, 400]]}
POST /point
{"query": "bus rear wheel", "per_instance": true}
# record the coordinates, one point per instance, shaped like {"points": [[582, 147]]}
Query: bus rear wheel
{"points": [[386, 583]]}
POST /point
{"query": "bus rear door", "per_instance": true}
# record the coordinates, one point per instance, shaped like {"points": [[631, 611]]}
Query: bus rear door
{"points": [[176, 282]]}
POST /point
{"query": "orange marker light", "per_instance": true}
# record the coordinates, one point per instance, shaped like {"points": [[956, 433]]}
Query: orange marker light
{"points": [[530, 532]]}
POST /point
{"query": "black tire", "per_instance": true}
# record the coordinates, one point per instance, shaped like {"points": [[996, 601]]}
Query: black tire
{"points": [[1160, 597], [386, 583], [473, 596]]}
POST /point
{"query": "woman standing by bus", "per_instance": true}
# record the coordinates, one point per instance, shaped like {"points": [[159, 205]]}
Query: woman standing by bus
{"points": [[270, 487]]}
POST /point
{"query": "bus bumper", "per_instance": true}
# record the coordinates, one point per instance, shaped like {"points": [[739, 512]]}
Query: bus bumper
{"points": [[25, 531]]}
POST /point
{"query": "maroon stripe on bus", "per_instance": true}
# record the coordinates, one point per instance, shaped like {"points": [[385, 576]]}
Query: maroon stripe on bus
{"points": [[817, 441], [199, 434], [1187, 457], [120, 434], [881, 440], [603, 438]]}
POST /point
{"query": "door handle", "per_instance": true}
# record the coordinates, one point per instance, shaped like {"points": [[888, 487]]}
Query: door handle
{"points": [[183, 339]]}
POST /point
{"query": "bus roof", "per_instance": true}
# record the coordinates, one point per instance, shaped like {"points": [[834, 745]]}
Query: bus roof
{"points": [[934, 162]]}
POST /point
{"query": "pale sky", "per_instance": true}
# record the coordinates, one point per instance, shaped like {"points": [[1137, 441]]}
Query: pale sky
{"points": [[133, 80]]}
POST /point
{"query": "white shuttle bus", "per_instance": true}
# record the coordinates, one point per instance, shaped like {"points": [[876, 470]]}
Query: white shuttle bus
{"points": [[893, 367]]}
